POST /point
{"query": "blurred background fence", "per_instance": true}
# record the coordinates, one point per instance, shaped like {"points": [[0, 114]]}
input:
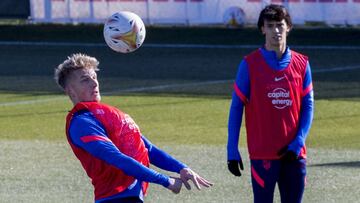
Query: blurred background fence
{"points": [[182, 12]]}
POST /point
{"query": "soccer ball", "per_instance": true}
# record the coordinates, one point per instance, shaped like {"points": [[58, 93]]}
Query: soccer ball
{"points": [[234, 17], [124, 32]]}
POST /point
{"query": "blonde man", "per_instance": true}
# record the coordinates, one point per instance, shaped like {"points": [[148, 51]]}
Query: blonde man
{"points": [[109, 144]]}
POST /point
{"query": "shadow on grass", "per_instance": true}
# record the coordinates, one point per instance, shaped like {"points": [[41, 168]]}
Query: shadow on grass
{"points": [[348, 164]]}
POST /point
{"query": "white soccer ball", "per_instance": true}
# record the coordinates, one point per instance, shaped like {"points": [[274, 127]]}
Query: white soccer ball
{"points": [[124, 32]]}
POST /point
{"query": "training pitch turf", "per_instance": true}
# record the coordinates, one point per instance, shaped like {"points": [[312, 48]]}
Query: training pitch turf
{"points": [[180, 99]]}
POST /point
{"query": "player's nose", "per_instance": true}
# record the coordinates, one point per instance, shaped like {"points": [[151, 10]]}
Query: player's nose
{"points": [[94, 83]]}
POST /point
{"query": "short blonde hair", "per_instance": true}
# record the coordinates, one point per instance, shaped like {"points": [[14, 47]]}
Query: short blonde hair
{"points": [[72, 63]]}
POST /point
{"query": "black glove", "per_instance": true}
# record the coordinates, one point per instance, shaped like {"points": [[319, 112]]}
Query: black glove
{"points": [[233, 166], [287, 155]]}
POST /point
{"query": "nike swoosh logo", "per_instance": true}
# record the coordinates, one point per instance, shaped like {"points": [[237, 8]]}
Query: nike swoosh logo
{"points": [[278, 79]]}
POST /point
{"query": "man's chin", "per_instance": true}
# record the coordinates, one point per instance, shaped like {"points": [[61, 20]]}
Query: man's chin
{"points": [[95, 99]]}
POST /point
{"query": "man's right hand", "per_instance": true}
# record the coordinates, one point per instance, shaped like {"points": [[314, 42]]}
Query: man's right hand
{"points": [[233, 166], [175, 185]]}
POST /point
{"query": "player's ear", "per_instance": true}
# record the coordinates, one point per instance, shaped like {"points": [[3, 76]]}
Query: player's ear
{"points": [[288, 29], [263, 30], [69, 91]]}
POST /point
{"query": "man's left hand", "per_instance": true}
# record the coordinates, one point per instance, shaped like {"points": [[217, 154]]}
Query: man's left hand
{"points": [[188, 174], [287, 155]]}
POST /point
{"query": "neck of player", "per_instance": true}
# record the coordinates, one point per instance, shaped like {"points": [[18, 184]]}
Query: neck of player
{"points": [[278, 48]]}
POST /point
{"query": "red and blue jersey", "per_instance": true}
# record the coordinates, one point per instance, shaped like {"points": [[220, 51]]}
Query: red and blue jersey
{"points": [[113, 152], [278, 100]]}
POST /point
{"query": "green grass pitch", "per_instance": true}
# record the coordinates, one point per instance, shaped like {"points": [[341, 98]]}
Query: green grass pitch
{"points": [[179, 110]]}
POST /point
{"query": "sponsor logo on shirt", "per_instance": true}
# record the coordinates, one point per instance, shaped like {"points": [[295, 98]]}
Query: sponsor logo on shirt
{"points": [[129, 131], [280, 98], [277, 79], [130, 123]]}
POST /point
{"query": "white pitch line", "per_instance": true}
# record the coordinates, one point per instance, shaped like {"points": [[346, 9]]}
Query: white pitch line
{"points": [[153, 45], [135, 89], [34, 101], [162, 87], [326, 70], [59, 44]]}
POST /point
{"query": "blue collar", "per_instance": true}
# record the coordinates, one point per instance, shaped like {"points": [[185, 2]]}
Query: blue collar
{"points": [[272, 60]]}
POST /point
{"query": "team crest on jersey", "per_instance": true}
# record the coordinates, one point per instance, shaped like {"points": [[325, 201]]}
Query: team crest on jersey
{"points": [[280, 98], [266, 164], [99, 111]]}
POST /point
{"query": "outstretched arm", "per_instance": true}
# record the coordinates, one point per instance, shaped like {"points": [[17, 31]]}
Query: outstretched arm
{"points": [[87, 133], [162, 159]]}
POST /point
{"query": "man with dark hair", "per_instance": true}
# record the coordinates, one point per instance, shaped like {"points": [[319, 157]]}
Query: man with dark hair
{"points": [[274, 85]]}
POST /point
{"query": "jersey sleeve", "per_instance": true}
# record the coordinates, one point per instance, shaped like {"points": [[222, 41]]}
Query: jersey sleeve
{"points": [[240, 97], [88, 133], [242, 82], [161, 159], [307, 82]]}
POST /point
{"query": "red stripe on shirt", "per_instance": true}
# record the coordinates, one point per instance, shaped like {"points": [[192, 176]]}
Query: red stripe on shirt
{"points": [[307, 90], [92, 138], [240, 94]]}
